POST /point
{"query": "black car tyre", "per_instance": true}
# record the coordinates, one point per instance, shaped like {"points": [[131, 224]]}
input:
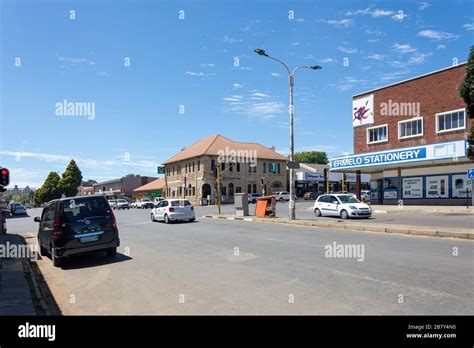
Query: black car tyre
{"points": [[152, 217], [57, 261], [167, 219], [43, 251], [344, 214], [111, 252], [281, 199], [317, 212], [192, 220]]}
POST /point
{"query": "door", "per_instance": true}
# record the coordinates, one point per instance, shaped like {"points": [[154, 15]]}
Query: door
{"points": [[45, 228], [161, 210], [332, 205]]}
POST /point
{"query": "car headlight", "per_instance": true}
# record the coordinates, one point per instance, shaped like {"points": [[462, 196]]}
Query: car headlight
{"points": [[352, 207]]}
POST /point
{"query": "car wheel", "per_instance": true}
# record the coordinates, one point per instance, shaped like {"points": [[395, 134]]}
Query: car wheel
{"points": [[317, 212], [167, 219], [344, 214], [153, 217], [254, 201], [57, 261], [111, 252], [192, 220], [43, 251], [281, 199]]}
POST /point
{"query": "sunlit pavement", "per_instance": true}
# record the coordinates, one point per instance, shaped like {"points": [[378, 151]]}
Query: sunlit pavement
{"points": [[233, 267]]}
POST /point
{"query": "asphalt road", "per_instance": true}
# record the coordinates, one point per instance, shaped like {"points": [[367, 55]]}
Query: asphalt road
{"points": [[193, 268]]}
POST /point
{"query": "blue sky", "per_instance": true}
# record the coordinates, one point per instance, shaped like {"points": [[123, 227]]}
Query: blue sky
{"points": [[204, 62]]}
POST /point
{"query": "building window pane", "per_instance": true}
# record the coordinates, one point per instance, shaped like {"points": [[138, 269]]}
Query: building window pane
{"points": [[441, 123], [461, 119]]}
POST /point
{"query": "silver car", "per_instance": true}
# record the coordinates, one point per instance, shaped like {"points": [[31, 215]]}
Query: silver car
{"points": [[169, 210]]}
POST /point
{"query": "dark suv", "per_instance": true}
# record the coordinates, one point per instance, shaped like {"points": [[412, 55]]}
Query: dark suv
{"points": [[77, 225]]}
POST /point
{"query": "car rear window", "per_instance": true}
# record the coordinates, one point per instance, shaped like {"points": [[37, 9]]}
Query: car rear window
{"points": [[76, 209], [180, 203]]}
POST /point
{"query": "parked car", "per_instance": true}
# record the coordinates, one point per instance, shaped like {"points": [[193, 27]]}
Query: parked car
{"points": [[144, 203], [77, 225], [122, 204], [16, 208], [311, 196], [343, 205], [282, 196], [27, 205], [252, 197], [157, 200], [169, 210], [113, 203]]}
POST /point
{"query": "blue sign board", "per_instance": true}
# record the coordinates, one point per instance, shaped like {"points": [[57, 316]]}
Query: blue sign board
{"points": [[470, 173], [430, 152]]}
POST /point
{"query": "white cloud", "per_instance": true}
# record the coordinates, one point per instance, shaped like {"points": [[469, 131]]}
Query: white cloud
{"points": [[440, 47], [199, 74], [423, 5], [373, 12], [400, 16], [228, 39], [76, 60], [309, 56], [376, 56], [437, 35], [347, 49], [468, 26], [339, 22], [209, 65], [256, 105], [415, 59], [275, 74], [326, 60], [403, 48], [237, 85], [295, 43]]}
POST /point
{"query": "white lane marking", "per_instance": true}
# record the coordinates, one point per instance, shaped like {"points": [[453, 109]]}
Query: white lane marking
{"points": [[433, 293]]}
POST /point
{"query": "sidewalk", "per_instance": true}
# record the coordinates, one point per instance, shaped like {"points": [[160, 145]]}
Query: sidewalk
{"points": [[408, 209], [359, 225], [15, 296]]}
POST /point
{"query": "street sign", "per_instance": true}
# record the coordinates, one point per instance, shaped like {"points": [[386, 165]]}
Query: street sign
{"points": [[292, 165], [160, 169], [470, 173]]}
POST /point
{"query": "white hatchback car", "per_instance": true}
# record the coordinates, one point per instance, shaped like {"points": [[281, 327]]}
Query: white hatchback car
{"points": [[343, 205], [169, 210]]}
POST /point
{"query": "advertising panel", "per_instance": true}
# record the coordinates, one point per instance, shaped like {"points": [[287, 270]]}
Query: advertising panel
{"points": [[437, 186], [460, 185], [363, 111], [412, 187]]}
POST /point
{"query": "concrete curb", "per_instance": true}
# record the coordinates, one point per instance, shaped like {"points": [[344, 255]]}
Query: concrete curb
{"points": [[378, 228], [36, 287]]}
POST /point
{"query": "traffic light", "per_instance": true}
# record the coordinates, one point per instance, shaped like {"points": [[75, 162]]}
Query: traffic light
{"points": [[4, 177]]}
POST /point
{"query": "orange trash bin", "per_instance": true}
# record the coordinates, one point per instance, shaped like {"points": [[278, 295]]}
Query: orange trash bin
{"points": [[265, 206]]}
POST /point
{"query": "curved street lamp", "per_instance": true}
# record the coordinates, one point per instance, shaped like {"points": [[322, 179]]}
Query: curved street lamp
{"points": [[291, 78]]}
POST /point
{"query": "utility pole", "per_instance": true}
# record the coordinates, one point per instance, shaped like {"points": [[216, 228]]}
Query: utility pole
{"points": [[291, 77], [218, 190]]}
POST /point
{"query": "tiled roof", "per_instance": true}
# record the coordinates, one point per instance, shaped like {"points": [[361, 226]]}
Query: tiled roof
{"points": [[215, 143], [155, 185]]}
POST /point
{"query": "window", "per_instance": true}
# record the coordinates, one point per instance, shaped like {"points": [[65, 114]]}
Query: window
{"points": [[222, 166], [238, 167], [451, 121], [238, 189], [279, 168], [249, 188], [231, 189], [264, 167], [254, 169], [377, 134], [250, 167], [199, 166], [194, 191], [213, 165], [254, 188], [231, 167], [410, 128]]}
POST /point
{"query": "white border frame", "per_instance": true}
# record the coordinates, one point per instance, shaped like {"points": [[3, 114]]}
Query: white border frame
{"points": [[378, 141], [452, 129], [411, 120]]}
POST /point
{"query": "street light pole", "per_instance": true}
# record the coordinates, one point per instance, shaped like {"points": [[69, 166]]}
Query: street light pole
{"points": [[291, 80]]}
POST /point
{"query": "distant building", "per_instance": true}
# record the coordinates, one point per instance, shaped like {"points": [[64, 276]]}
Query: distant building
{"points": [[85, 190], [122, 187], [244, 167], [155, 188]]}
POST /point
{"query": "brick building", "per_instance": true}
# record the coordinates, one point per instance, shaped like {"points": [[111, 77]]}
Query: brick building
{"points": [[244, 167], [411, 137]]}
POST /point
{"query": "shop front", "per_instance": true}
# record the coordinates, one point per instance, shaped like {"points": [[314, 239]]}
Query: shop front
{"points": [[431, 174]]}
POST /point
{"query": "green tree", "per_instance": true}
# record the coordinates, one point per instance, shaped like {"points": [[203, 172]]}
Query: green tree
{"points": [[50, 189], [466, 91], [319, 157], [71, 179], [38, 197], [89, 182]]}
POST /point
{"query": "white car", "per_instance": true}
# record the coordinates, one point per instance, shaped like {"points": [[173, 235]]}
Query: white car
{"points": [[282, 196], [112, 203], [144, 203], [157, 200], [342, 205], [169, 210], [17, 209], [122, 204]]}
